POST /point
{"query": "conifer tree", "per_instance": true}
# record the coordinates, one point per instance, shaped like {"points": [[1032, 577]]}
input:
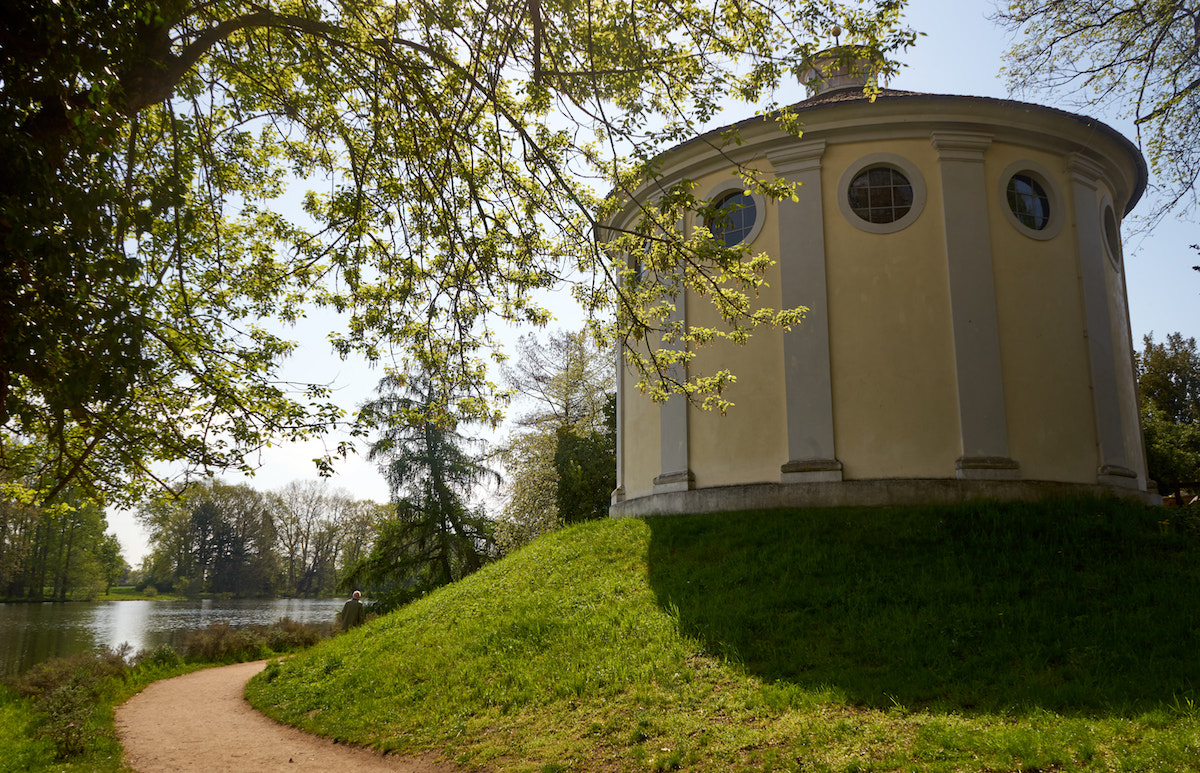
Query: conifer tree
{"points": [[435, 535]]}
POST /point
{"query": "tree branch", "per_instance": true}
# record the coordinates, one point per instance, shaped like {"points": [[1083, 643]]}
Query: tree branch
{"points": [[154, 81]]}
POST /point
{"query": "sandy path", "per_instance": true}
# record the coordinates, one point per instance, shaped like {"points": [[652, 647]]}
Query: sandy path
{"points": [[201, 722]]}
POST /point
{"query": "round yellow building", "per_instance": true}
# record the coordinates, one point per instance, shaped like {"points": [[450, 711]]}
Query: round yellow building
{"points": [[968, 329]]}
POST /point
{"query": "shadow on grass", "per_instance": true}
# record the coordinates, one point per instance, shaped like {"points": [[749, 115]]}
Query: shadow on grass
{"points": [[1083, 606]]}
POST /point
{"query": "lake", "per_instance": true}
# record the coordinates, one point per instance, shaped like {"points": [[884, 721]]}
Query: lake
{"points": [[31, 633]]}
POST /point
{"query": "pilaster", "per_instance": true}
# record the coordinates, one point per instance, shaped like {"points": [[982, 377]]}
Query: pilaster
{"points": [[618, 493], [983, 421], [808, 388], [676, 473], [1113, 469]]}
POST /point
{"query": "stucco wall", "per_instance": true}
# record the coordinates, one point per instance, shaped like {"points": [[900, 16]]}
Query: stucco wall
{"points": [[640, 449], [749, 442], [891, 359], [1051, 421], [1123, 348]]}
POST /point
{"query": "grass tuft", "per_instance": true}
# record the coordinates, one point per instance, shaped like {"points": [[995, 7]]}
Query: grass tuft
{"points": [[224, 643]]}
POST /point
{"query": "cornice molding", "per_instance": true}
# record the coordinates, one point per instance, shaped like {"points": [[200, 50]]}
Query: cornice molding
{"points": [[960, 146], [802, 157], [956, 126]]}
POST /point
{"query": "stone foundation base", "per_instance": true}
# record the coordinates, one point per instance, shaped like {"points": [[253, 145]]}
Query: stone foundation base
{"points": [[868, 493]]}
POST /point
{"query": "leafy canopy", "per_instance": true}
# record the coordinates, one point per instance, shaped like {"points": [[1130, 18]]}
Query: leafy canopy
{"points": [[586, 464], [1139, 58], [450, 157], [565, 380], [1169, 391]]}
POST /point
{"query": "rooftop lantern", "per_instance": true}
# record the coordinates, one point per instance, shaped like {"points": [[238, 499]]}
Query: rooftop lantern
{"points": [[840, 67]]}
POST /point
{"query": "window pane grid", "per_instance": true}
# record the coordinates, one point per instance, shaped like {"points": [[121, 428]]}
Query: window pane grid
{"points": [[1029, 202], [880, 195], [735, 219]]}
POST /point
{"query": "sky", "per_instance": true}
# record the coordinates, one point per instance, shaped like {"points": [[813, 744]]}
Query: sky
{"points": [[961, 53]]}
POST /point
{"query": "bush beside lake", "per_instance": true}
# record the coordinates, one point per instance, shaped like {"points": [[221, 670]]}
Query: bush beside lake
{"points": [[1052, 636], [59, 715]]}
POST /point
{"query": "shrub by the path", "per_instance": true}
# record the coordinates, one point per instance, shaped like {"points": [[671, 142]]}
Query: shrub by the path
{"points": [[61, 710]]}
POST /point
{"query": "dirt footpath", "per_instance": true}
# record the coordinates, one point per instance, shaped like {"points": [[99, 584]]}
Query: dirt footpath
{"points": [[201, 722]]}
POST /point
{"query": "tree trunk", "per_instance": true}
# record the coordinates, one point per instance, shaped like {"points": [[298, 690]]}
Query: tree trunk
{"points": [[37, 588], [65, 579]]}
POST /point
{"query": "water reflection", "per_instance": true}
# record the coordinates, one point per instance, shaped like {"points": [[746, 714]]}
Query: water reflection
{"points": [[30, 633]]}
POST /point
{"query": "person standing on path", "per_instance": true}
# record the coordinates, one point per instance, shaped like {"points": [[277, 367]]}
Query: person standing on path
{"points": [[353, 613]]}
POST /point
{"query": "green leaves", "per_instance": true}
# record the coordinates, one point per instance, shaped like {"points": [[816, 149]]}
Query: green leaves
{"points": [[1169, 390], [560, 459], [180, 170], [436, 537], [657, 262]]}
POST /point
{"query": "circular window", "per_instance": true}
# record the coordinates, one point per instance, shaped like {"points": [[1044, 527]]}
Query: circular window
{"points": [[637, 269], [637, 261], [1028, 201], [880, 194], [1112, 235], [735, 219]]}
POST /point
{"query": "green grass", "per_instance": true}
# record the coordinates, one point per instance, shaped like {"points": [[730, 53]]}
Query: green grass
{"points": [[130, 593], [1060, 636], [20, 746]]}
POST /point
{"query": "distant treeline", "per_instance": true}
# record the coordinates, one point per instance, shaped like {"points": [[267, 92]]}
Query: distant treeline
{"points": [[215, 538], [56, 553]]}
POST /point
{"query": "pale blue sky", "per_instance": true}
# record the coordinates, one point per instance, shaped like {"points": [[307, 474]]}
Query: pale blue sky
{"points": [[961, 53]]}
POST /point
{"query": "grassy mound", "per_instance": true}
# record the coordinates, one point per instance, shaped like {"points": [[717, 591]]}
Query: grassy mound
{"points": [[1058, 636]]}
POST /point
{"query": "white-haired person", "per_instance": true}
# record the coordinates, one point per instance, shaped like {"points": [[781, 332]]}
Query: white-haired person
{"points": [[353, 613]]}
